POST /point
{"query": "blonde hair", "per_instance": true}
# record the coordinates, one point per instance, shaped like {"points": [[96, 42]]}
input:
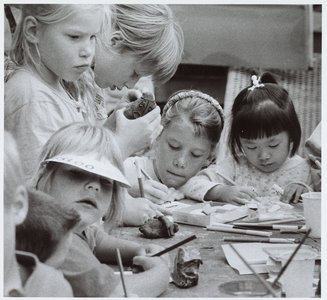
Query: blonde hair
{"points": [[201, 110], [82, 138], [151, 32], [25, 53], [13, 173]]}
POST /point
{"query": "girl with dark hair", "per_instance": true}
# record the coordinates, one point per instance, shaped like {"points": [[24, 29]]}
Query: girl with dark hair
{"points": [[264, 136]]}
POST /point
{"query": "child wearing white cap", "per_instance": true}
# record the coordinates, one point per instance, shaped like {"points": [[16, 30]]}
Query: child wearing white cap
{"points": [[88, 176]]}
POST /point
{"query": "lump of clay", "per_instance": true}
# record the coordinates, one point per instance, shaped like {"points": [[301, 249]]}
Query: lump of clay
{"points": [[141, 106], [186, 267], [159, 228]]}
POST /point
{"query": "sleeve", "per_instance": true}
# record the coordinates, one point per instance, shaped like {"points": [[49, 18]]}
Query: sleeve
{"points": [[197, 187], [85, 273]]}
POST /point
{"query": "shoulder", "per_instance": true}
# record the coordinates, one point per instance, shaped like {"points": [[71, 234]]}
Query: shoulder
{"points": [[23, 87], [294, 162], [43, 280]]}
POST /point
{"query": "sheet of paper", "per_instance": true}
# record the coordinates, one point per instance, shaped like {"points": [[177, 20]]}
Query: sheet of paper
{"points": [[253, 253]]}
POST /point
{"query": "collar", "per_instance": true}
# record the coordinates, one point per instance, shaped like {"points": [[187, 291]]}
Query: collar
{"points": [[14, 286]]}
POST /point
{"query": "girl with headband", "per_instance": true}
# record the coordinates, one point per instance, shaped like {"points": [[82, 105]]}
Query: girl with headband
{"points": [[192, 124], [264, 136]]}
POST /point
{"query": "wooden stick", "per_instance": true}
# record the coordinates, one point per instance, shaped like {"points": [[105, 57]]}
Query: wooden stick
{"points": [[121, 270], [290, 258], [139, 178], [175, 246], [263, 281]]}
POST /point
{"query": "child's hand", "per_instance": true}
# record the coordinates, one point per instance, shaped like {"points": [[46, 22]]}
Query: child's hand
{"points": [[148, 263], [151, 249], [137, 211], [155, 191], [137, 134], [232, 194], [293, 192]]}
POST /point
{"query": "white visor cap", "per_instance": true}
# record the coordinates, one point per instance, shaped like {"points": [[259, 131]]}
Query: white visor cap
{"points": [[93, 165]]}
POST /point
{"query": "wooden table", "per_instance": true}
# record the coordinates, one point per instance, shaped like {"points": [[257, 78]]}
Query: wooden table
{"points": [[215, 270]]}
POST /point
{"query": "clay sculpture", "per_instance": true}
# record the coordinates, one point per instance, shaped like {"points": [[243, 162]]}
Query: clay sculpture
{"points": [[186, 267], [159, 227], [140, 106]]}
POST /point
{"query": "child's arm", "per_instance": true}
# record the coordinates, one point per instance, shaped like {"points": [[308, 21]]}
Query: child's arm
{"points": [[106, 249], [136, 135], [231, 194]]}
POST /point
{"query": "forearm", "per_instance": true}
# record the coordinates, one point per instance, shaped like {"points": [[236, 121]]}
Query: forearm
{"points": [[106, 250]]}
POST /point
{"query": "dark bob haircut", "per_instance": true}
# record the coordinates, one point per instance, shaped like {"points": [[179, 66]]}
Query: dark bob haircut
{"points": [[263, 112]]}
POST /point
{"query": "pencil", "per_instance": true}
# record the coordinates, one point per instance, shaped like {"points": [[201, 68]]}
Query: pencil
{"points": [[121, 270], [236, 230], [263, 281], [139, 178], [260, 240], [264, 226], [175, 246]]}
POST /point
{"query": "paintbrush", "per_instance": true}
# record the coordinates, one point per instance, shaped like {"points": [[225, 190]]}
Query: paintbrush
{"points": [[121, 270]]}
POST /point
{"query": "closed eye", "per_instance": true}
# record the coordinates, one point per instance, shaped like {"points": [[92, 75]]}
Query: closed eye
{"points": [[274, 146], [105, 182], [172, 147], [74, 37]]}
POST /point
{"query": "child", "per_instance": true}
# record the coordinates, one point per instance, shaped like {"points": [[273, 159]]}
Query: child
{"points": [[24, 275], [264, 137], [47, 229], [53, 46], [192, 122], [88, 177], [144, 40]]}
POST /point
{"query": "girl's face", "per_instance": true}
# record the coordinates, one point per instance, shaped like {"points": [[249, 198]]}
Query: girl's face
{"points": [[114, 69], [179, 153], [89, 194], [67, 47], [267, 154]]}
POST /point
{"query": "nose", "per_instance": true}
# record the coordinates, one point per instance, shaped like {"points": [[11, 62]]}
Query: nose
{"points": [[88, 49], [131, 83], [264, 154], [93, 184], [180, 162]]}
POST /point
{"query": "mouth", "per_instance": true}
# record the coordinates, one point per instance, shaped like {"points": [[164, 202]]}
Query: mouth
{"points": [[88, 202], [176, 175], [85, 66], [266, 165]]}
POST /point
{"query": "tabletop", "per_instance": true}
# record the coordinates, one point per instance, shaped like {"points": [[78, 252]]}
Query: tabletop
{"points": [[215, 269]]}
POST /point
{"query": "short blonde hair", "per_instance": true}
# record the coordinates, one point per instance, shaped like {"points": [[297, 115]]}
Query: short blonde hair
{"points": [[13, 173], [151, 32], [81, 138]]}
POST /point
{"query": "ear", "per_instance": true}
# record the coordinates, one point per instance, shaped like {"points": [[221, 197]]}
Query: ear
{"points": [[116, 40], [20, 204], [31, 29]]}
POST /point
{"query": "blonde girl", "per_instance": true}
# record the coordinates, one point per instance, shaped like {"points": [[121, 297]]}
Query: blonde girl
{"points": [[192, 124], [89, 178], [53, 46], [265, 134], [52, 43]]}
